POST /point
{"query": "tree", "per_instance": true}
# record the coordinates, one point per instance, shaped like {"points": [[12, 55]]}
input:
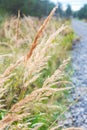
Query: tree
{"points": [[28, 7], [75, 14], [12, 6], [68, 11], [82, 13], [59, 11]]}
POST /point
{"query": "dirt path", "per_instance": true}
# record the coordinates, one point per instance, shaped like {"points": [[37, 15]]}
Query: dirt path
{"points": [[78, 112]]}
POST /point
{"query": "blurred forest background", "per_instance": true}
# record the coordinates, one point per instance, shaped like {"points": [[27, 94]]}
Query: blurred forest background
{"points": [[38, 8]]}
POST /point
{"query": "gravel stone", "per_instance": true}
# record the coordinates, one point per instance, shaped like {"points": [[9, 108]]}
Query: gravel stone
{"points": [[78, 112]]}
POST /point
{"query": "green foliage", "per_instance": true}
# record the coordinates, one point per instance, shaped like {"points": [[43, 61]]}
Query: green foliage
{"points": [[59, 11], [67, 40], [39, 118], [27, 7], [83, 12], [2, 114], [68, 11], [38, 8]]}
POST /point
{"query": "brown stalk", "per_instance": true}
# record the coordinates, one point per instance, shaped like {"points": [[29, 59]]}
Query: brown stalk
{"points": [[39, 33], [34, 44]]}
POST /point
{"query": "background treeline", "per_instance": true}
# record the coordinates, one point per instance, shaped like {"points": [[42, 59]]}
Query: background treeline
{"points": [[82, 13], [31, 7], [38, 8]]}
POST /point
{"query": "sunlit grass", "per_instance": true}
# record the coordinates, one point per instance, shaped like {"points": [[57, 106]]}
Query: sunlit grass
{"points": [[34, 77]]}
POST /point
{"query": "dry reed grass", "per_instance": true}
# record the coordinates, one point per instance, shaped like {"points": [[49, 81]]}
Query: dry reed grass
{"points": [[33, 62], [25, 106], [34, 44]]}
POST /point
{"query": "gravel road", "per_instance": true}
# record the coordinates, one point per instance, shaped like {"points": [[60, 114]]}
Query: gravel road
{"points": [[77, 117]]}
